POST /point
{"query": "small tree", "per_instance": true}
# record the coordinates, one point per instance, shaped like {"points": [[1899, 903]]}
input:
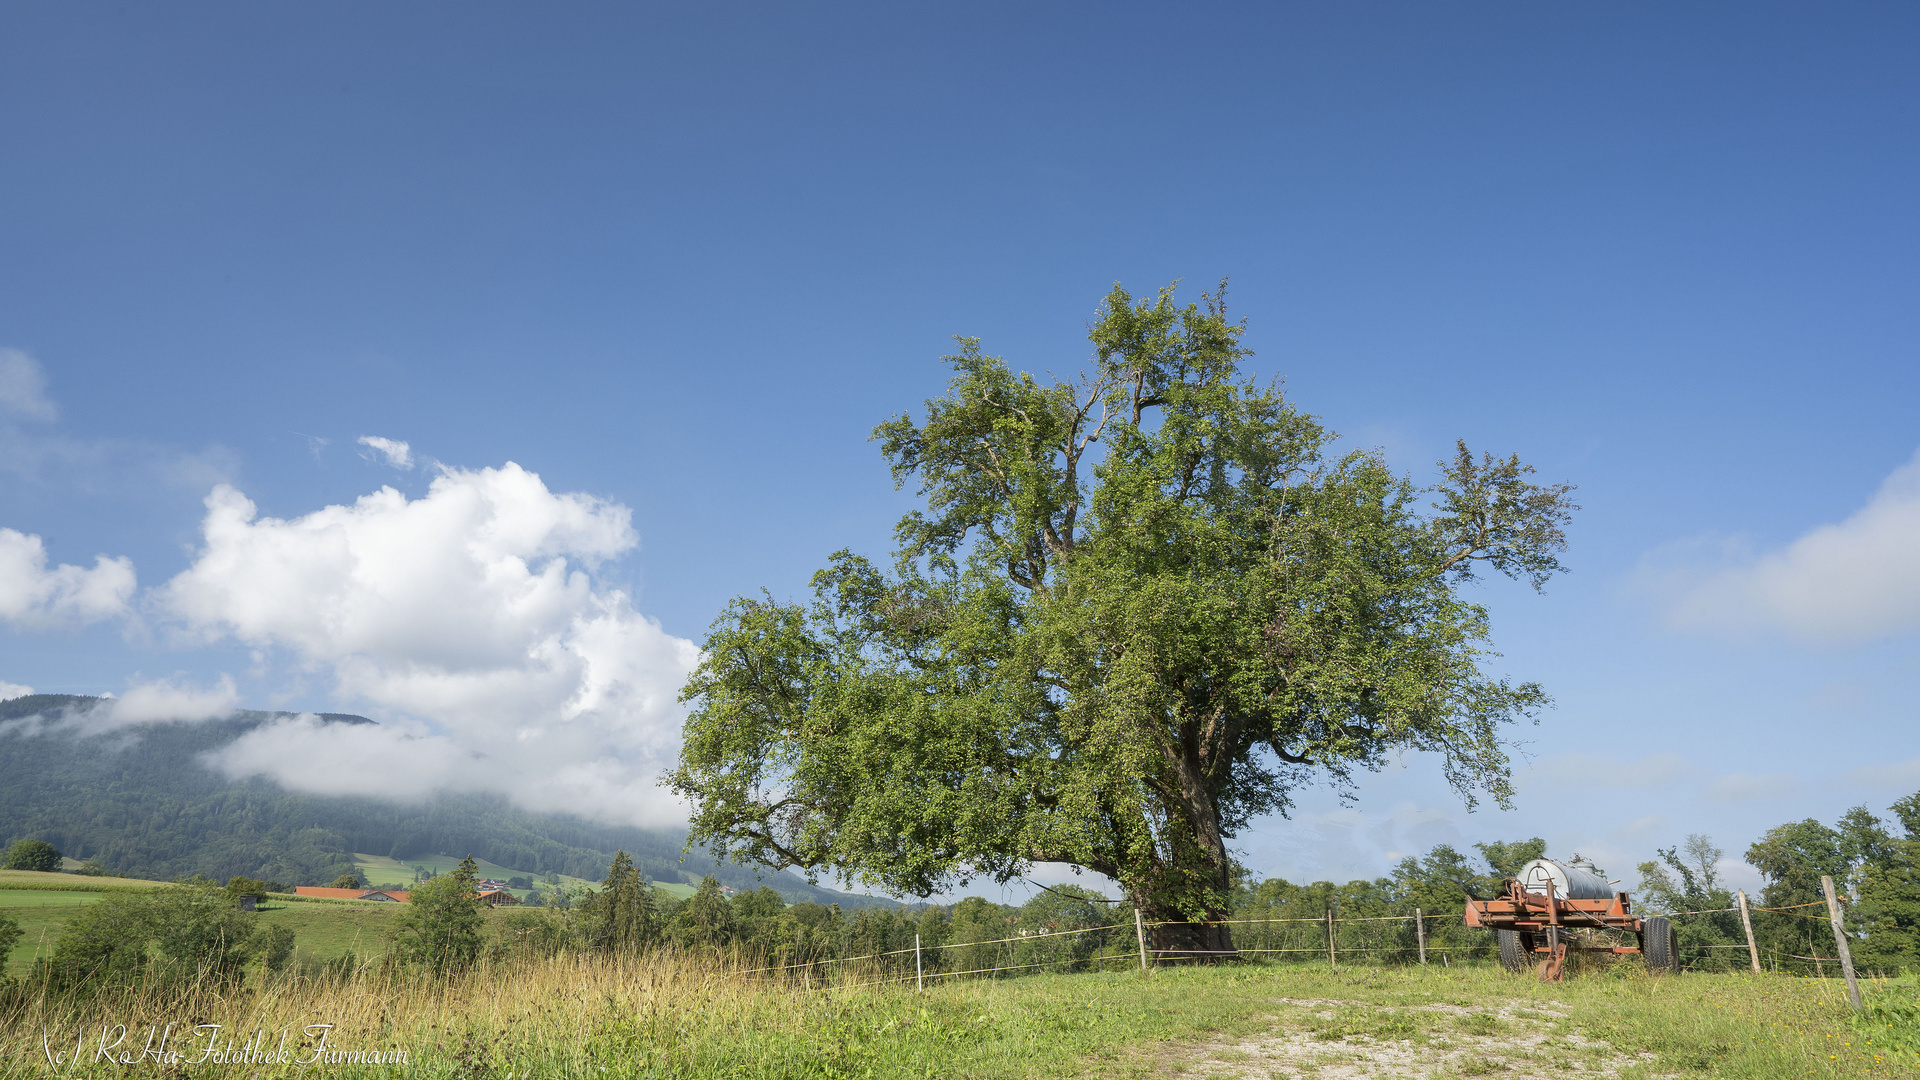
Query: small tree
{"points": [[200, 933], [621, 917], [442, 925], [347, 881], [33, 855], [1687, 878], [707, 918]]}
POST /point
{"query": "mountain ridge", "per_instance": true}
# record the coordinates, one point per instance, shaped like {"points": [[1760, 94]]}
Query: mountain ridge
{"points": [[140, 799]]}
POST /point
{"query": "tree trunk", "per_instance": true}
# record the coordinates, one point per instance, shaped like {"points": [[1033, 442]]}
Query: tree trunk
{"points": [[1200, 858], [1180, 941]]}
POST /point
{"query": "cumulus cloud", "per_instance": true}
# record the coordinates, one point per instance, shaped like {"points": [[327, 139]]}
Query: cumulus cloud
{"points": [[23, 387], [397, 454], [32, 595], [1853, 581], [470, 622], [11, 690]]}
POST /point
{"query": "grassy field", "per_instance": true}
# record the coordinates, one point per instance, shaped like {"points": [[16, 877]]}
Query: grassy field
{"points": [[42, 914], [694, 1017], [43, 902], [34, 879], [379, 870]]}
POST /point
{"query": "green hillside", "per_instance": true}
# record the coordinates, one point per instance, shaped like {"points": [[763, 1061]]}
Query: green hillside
{"points": [[142, 801]]}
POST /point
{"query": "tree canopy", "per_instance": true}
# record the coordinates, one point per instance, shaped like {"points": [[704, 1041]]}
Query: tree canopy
{"points": [[1139, 609], [33, 855]]}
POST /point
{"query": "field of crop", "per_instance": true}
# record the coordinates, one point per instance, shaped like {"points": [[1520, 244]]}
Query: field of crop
{"points": [[34, 879], [691, 1016]]}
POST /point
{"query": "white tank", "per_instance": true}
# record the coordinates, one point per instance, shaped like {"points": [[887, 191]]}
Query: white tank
{"points": [[1565, 882]]}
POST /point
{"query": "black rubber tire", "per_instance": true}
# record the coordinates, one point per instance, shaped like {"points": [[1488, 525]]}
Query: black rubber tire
{"points": [[1660, 945], [1516, 950]]}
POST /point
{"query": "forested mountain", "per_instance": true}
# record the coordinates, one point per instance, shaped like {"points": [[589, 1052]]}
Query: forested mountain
{"points": [[140, 800]]}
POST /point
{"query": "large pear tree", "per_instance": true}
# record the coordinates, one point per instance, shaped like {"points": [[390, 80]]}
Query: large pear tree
{"points": [[1139, 610]]}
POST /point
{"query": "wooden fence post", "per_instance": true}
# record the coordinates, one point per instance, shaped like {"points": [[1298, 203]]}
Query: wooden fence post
{"points": [[1140, 931], [1840, 941], [920, 979], [1332, 961], [1746, 923], [1420, 932]]}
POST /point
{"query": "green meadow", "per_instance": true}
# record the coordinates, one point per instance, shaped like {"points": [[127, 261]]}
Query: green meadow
{"points": [[381, 870], [694, 1015]]}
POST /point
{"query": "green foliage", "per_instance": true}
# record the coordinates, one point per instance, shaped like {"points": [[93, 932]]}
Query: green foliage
{"points": [[441, 926], [1688, 879], [348, 881], [275, 945], [706, 919], [1889, 1025], [1873, 871], [623, 917], [104, 944], [1507, 859], [1137, 612], [199, 933], [33, 855], [10, 934], [179, 932]]}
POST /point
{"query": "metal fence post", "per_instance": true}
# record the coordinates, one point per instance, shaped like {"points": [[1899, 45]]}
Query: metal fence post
{"points": [[1420, 931], [1840, 941], [919, 978], [1746, 923]]}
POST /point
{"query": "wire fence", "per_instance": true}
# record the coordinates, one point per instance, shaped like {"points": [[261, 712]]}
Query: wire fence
{"points": [[1330, 939]]}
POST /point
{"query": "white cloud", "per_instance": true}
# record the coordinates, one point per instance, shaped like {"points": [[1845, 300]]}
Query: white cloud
{"points": [[34, 596], [11, 690], [171, 701], [23, 386], [398, 454], [1853, 581], [158, 701], [493, 660]]}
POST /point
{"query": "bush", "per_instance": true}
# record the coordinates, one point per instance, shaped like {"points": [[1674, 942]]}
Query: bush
{"points": [[105, 943], [441, 924], [33, 855], [184, 932]]}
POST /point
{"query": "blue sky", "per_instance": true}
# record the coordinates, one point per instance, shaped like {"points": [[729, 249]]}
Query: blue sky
{"points": [[678, 262]]}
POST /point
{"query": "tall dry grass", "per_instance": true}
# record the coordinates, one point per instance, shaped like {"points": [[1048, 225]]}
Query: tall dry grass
{"points": [[664, 1013], [688, 1015]]}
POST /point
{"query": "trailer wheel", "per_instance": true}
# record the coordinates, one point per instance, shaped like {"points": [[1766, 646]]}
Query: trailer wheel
{"points": [[1660, 945], [1516, 950]]}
